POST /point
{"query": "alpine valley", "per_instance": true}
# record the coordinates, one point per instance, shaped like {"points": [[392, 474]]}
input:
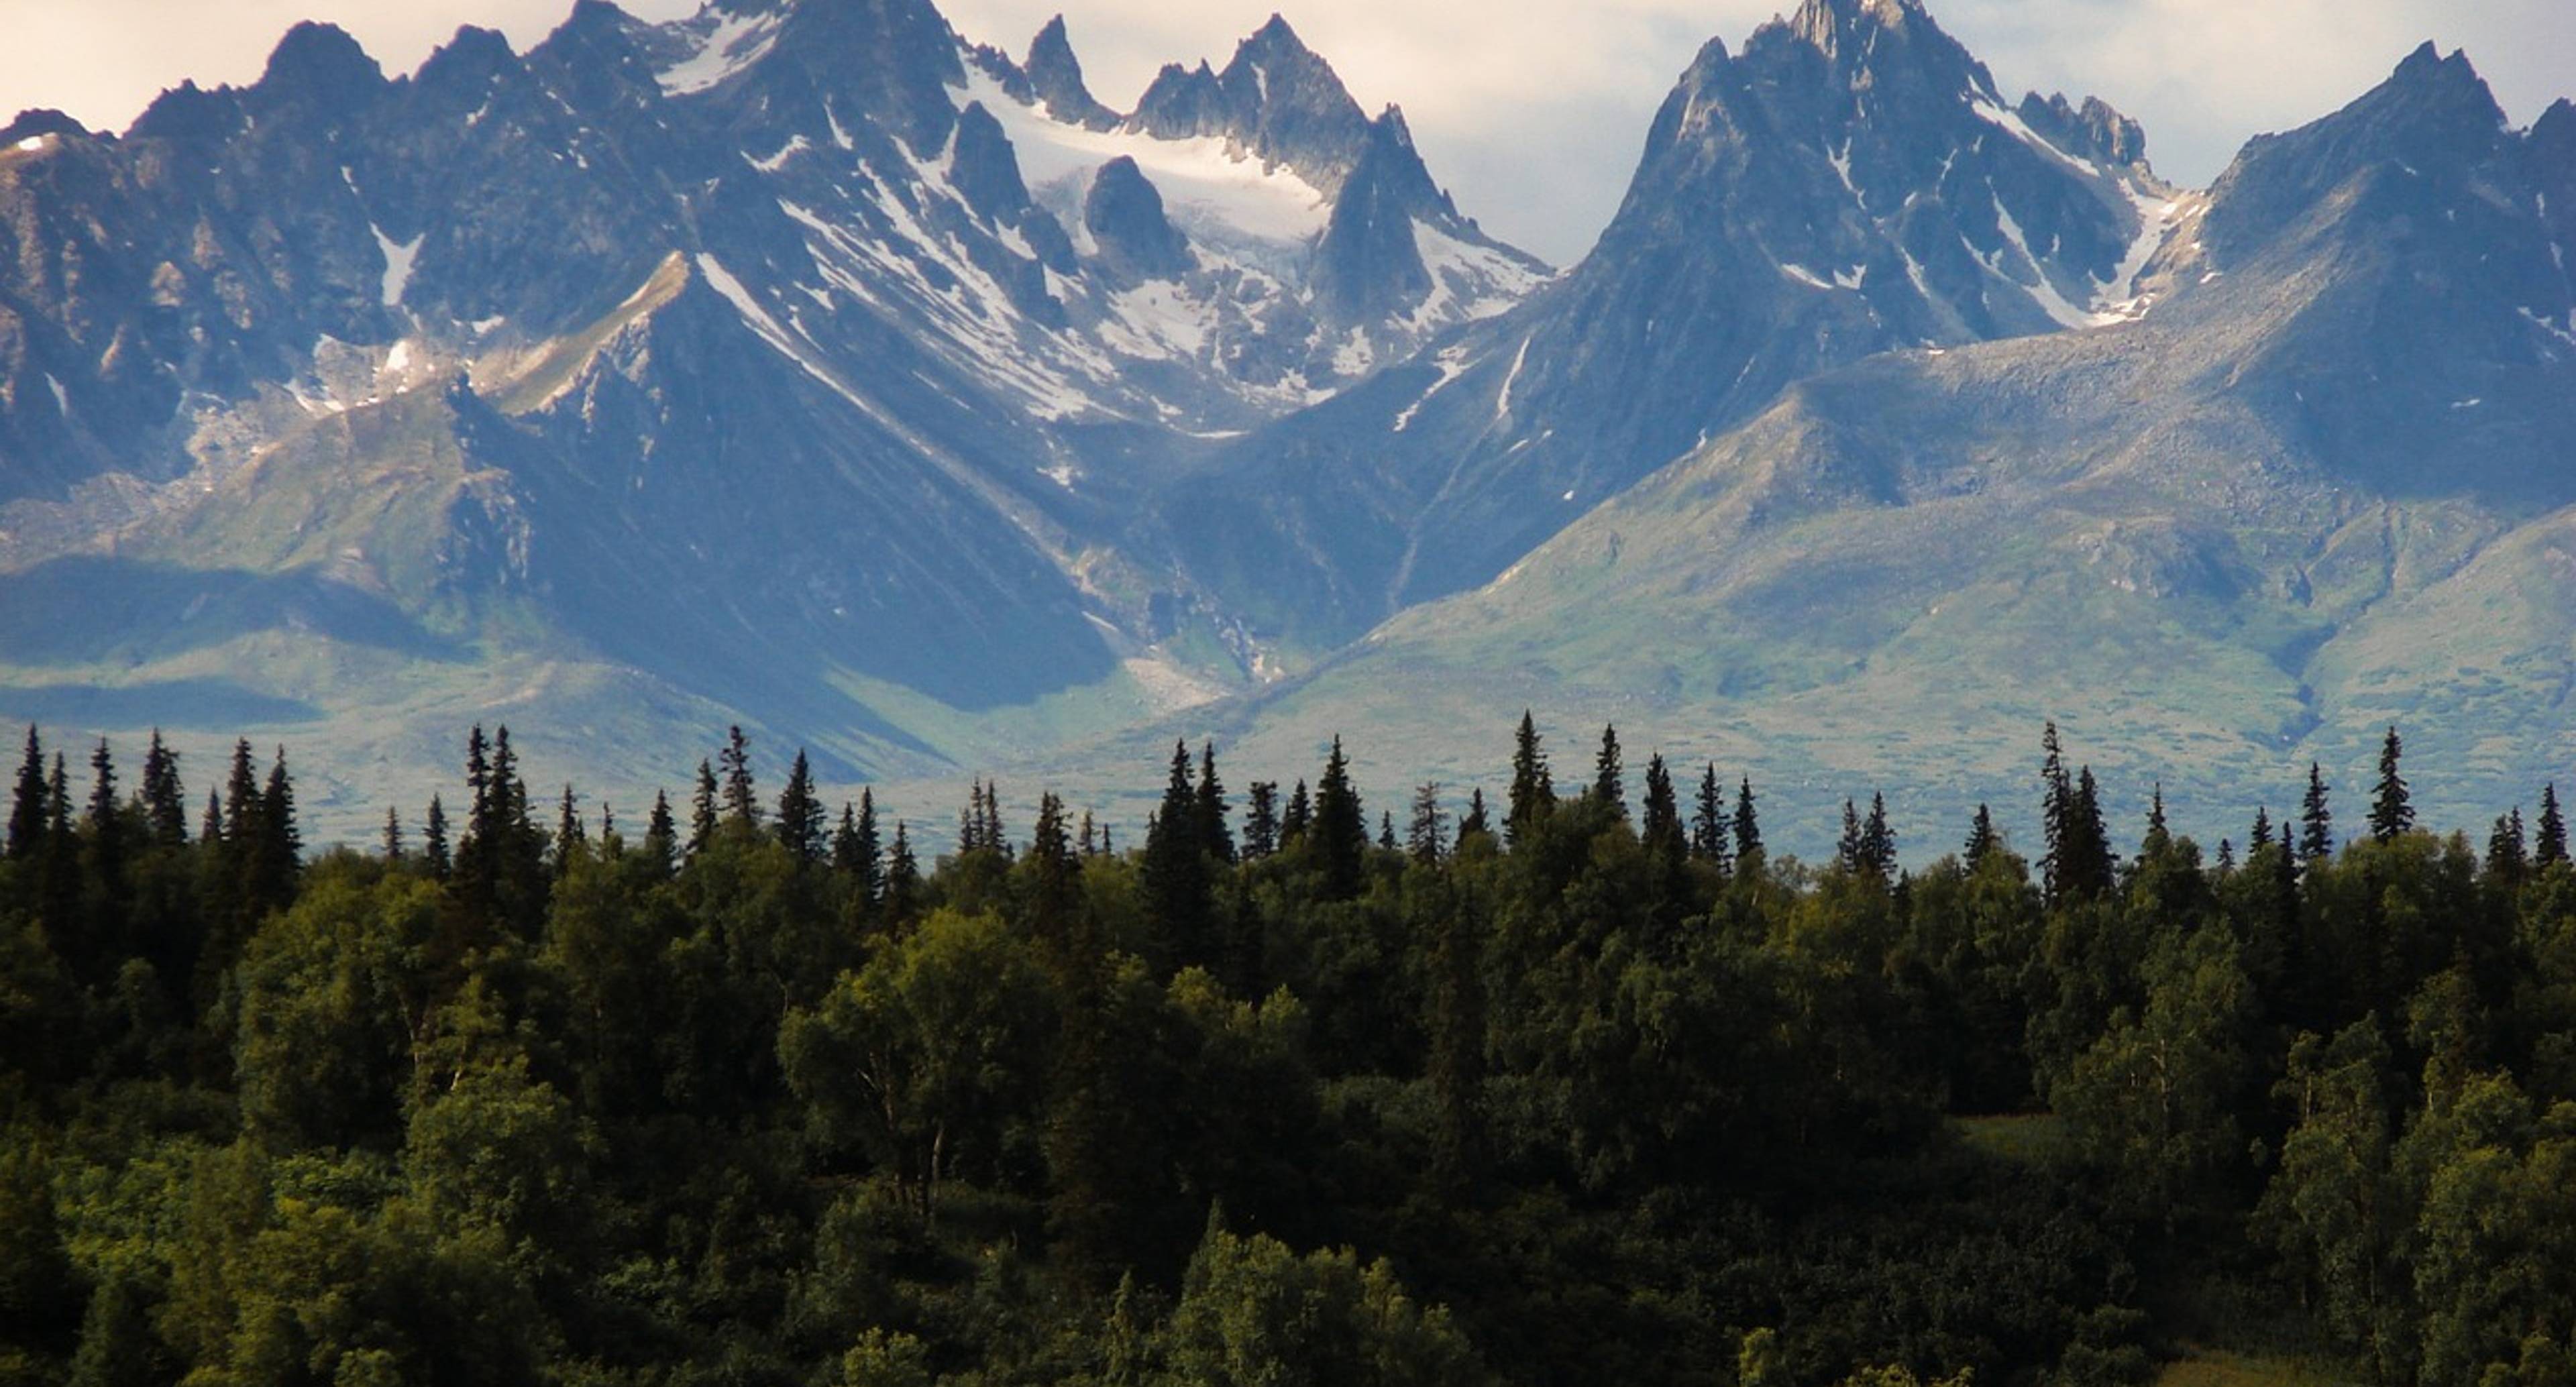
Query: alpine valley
{"points": [[806, 366]]}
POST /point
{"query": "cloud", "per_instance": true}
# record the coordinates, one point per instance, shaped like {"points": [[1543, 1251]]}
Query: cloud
{"points": [[1532, 111]]}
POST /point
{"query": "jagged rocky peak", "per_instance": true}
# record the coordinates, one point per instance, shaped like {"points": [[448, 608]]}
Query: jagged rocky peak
{"points": [[39, 122], [2552, 143], [1055, 76], [2093, 130], [1829, 25], [321, 66], [1369, 264], [1124, 214], [2432, 124], [1277, 100]]}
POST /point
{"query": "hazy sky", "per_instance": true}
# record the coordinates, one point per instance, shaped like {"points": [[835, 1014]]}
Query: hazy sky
{"points": [[1532, 112]]}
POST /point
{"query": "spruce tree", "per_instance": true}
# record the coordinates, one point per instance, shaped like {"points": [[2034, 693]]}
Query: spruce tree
{"points": [[1174, 872], [1475, 821], [1533, 792], [1216, 839], [1661, 827], [2159, 837], [741, 803], [2507, 859], [241, 802], [1261, 820], [2316, 820], [433, 841], [165, 803], [27, 812], [2550, 845], [800, 814], [278, 857], [1878, 841], [1299, 820], [1982, 841], [903, 876], [1709, 822], [569, 834], [662, 836], [1426, 838], [1850, 853], [1748, 828], [1609, 784], [2226, 856], [2261, 835], [393, 835], [1340, 829], [1386, 831], [2390, 813], [869, 868], [702, 809], [210, 825]]}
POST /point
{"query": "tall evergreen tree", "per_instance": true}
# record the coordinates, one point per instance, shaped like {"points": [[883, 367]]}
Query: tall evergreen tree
{"points": [[1216, 839], [1386, 831], [2508, 860], [869, 865], [1299, 818], [1851, 854], [210, 825], [903, 877], [1341, 828], [392, 842], [2550, 845], [27, 811], [569, 833], [800, 814], [1261, 820], [241, 802], [1748, 828], [733, 764], [1982, 841], [1174, 872], [1660, 829], [2159, 836], [1609, 782], [2261, 834], [277, 858], [433, 841], [1475, 821], [1533, 791], [165, 803], [2316, 820], [1426, 839], [1877, 840], [702, 809], [2390, 812], [1709, 822]]}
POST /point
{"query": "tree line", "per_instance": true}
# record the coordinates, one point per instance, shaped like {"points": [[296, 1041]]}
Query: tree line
{"points": [[1575, 1087]]}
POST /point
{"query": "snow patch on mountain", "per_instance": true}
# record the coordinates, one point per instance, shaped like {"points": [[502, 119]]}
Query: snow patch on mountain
{"points": [[733, 43]]}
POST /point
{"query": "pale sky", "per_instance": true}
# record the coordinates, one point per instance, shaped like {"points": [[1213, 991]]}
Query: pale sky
{"points": [[1531, 113]]}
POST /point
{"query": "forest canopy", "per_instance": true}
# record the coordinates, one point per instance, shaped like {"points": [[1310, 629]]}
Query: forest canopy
{"points": [[1574, 1087]]}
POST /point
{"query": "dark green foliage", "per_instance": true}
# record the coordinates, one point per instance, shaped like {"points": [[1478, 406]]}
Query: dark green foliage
{"points": [[1616, 1101], [2551, 843], [2316, 819], [2390, 811]]}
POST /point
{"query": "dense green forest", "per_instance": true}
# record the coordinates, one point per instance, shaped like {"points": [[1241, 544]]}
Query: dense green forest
{"points": [[1581, 1088]]}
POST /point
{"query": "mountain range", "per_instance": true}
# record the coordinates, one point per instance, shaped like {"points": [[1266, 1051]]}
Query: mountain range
{"points": [[805, 365]]}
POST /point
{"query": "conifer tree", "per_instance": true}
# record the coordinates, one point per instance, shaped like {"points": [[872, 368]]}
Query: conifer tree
{"points": [[1261, 820], [241, 802], [662, 836], [393, 835], [2159, 837], [277, 855], [1609, 783], [1982, 841], [569, 835], [903, 876], [2261, 835], [2316, 820], [1661, 827], [702, 809], [210, 825], [800, 814], [1878, 841], [845, 841], [1216, 839], [165, 804], [1850, 853], [1340, 828], [2550, 845], [433, 841], [1090, 836], [1386, 831], [741, 803], [868, 865], [2226, 856], [1054, 874], [1709, 823], [1475, 820], [1174, 872], [27, 811], [2390, 812], [1533, 791], [2507, 859], [1299, 819], [1748, 828], [1426, 838]]}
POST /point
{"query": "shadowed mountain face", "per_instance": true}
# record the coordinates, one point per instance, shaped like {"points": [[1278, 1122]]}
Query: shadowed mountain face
{"points": [[2329, 484], [1852, 181], [798, 360]]}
